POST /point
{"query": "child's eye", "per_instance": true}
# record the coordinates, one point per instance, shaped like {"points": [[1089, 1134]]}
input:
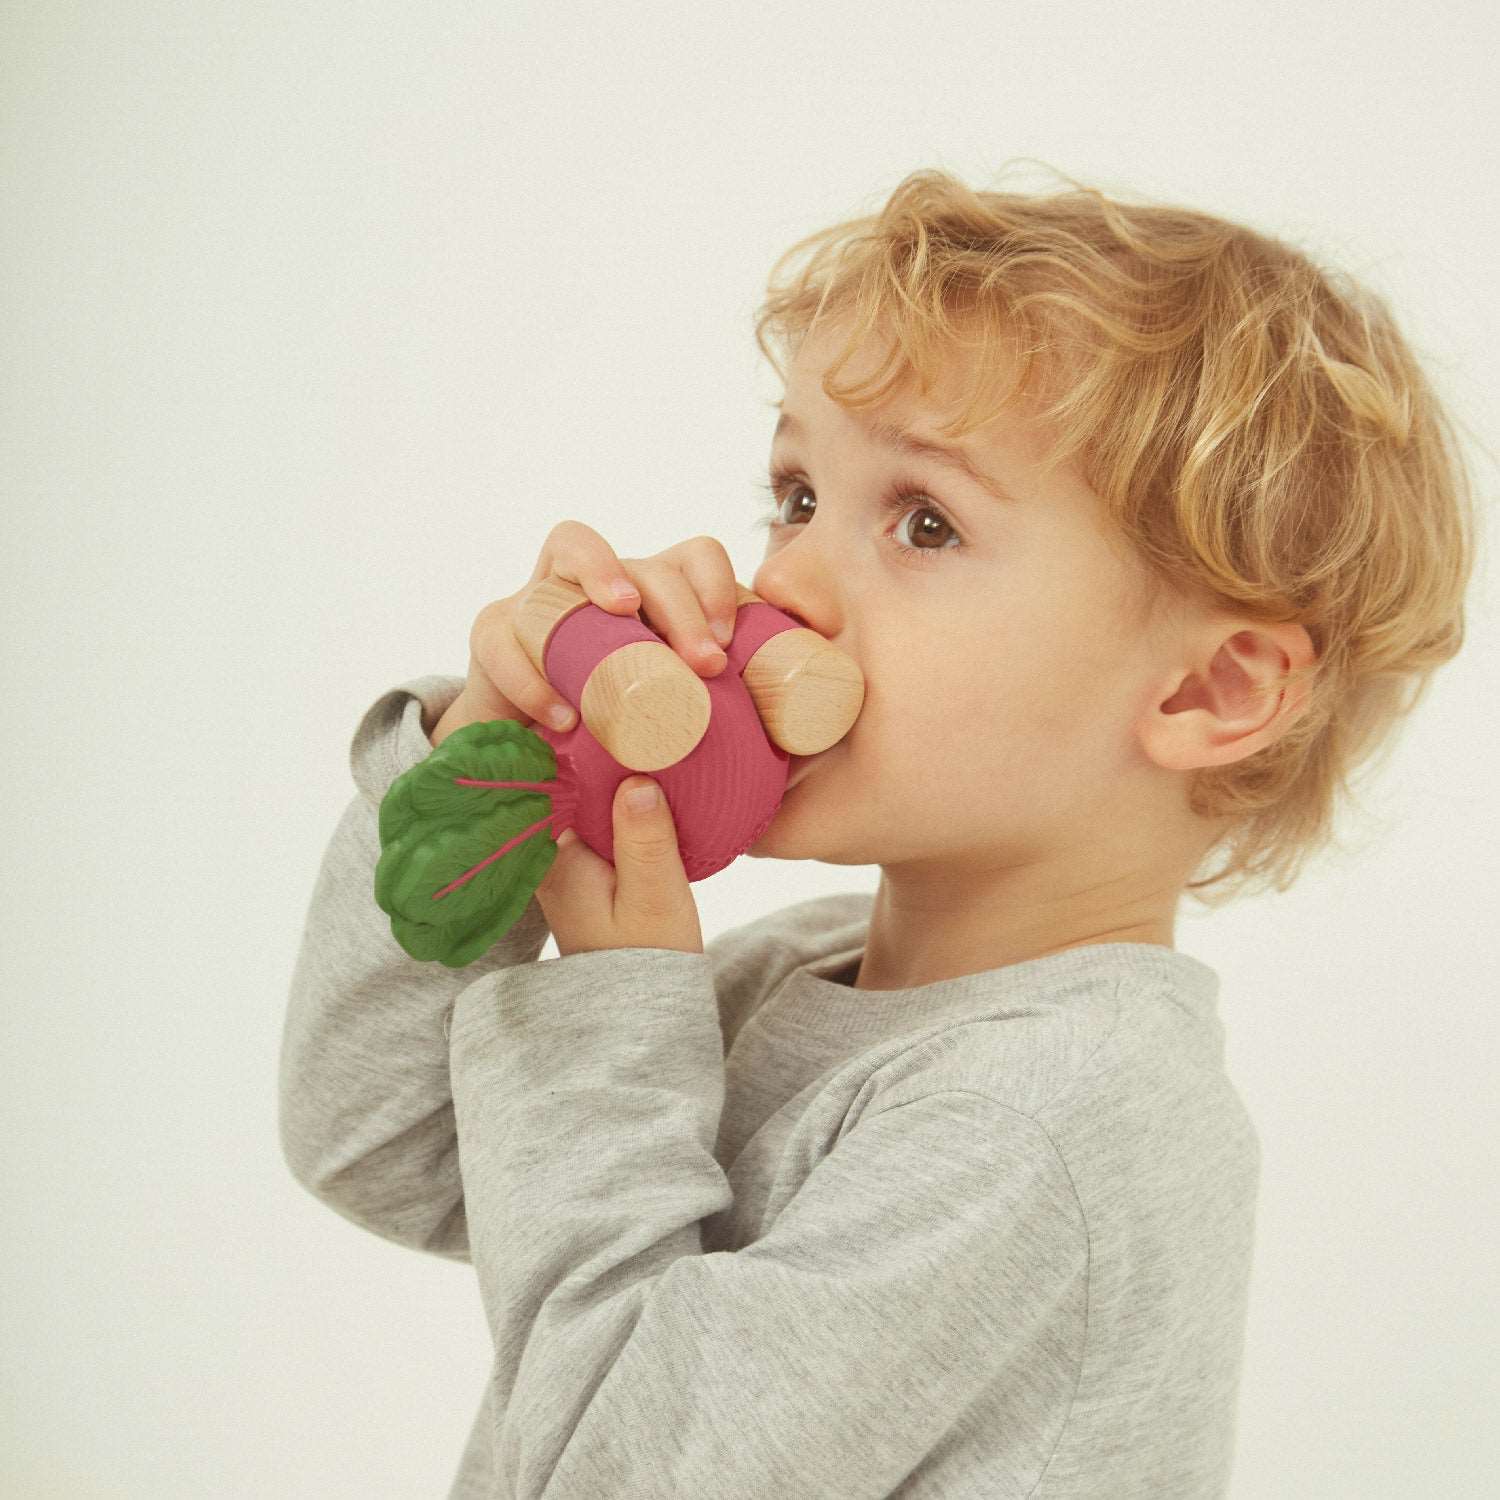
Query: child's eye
{"points": [[903, 500]]}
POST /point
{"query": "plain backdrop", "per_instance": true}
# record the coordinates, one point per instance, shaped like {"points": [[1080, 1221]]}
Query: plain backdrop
{"points": [[317, 318]]}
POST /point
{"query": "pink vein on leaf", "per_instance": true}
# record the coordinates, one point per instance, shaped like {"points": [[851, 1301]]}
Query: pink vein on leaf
{"points": [[505, 848]]}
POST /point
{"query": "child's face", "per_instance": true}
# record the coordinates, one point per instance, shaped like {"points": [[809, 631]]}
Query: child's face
{"points": [[1002, 677]]}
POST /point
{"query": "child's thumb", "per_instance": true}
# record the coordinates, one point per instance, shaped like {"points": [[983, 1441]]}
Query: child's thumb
{"points": [[645, 835]]}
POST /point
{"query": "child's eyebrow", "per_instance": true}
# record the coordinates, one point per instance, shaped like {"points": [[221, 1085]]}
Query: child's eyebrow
{"points": [[893, 435]]}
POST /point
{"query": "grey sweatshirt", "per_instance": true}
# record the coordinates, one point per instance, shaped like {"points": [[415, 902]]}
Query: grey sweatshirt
{"points": [[743, 1230]]}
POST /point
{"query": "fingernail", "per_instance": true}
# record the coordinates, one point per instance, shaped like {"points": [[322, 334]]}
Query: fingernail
{"points": [[723, 632], [560, 716], [709, 648], [642, 798], [622, 590]]}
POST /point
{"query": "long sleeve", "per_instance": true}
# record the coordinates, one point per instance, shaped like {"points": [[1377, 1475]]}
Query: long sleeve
{"points": [[365, 1105], [934, 1255]]}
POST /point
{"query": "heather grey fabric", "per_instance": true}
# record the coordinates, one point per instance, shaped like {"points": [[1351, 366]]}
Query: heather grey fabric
{"points": [[740, 1229]]}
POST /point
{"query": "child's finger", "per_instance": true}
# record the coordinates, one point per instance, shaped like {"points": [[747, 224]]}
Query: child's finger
{"points": [[580, 555], [501, 673], [708, 568], [671, 603]]}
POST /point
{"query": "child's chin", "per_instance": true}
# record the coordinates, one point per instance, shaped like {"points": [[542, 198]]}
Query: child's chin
{"points": [[765, 847], [778, 839]]}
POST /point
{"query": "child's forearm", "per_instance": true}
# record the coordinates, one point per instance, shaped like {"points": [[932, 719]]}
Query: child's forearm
{"points": [[366, 1117]]}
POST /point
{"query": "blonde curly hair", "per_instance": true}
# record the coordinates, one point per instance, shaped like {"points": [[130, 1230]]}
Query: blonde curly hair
{"points": [[1255, 424]]}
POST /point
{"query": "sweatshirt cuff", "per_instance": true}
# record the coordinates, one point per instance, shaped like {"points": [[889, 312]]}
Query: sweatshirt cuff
{"points": [[390, 740]]}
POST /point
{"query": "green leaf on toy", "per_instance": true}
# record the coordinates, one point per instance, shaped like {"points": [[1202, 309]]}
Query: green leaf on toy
{"points": [[461, 856]]}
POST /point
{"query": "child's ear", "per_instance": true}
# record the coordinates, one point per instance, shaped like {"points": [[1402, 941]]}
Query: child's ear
{"points": [[1228, 701]]}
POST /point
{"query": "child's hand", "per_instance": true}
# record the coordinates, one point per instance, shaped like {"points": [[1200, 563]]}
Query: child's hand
{"points": [[679, 593], [642, 900]]}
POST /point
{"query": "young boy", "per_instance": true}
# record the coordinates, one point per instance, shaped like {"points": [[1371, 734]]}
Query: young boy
{"points": [[944, 1190]]}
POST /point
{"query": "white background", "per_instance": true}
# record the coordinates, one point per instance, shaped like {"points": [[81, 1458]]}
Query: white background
{"points": [[317, 317]]}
